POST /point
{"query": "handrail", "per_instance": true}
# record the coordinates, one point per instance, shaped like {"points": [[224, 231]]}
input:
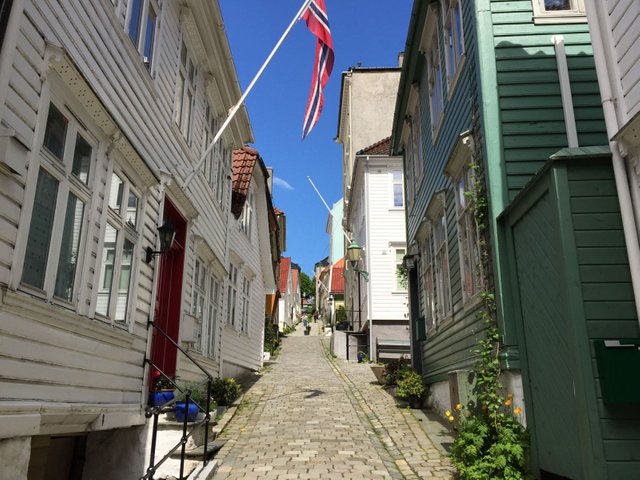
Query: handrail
{"points": [[186, 354], [155, 412]]}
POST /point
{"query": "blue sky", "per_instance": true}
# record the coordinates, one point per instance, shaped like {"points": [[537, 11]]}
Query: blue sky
{"points": [[370, 32]]}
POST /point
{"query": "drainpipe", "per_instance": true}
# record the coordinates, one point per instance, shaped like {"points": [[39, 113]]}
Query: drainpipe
{"points": [[595, 13], [565, 91], [368, 240]]}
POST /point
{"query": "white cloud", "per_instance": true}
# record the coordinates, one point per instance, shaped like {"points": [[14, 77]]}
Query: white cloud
{"points": [[278, 182]]}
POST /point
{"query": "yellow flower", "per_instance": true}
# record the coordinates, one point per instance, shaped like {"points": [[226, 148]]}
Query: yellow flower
{"points": [[458, 407], [510, 395], [447, 413], [484, 407], [508, 403], [451, 418], [517, 410]]}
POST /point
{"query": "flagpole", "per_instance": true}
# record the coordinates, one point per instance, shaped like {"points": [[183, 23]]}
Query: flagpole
{"points": [[237, 106], [327, 207]]}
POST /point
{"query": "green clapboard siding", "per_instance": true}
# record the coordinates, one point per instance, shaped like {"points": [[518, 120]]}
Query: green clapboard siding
{"points": [[531, 114], [608, 300]]}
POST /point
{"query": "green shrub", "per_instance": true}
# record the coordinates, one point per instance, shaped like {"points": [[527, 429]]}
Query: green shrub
{"points": [[341, 316], [197, 392], [225, 390], [393, 369], [271, 340], [410, 384]]}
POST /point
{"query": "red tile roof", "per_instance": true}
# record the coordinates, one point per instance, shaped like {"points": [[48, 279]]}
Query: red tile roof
{"points": [[294, 279], [278, 211], [244, 161], [285, 265], [383, 147], [337, 277]]}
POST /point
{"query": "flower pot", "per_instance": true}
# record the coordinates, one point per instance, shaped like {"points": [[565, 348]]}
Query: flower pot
{"points": [[378, 371], [415, 402], [160, 397], [361, 357], [181, 411]]}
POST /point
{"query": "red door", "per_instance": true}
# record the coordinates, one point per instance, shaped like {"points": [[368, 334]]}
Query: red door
{"points": [[169, 294]]}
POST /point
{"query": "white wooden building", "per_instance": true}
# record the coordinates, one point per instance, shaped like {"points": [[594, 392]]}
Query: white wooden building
{"points": [[285, 302], [251, 271], [614, 26], [374, 214], [105, 108]]}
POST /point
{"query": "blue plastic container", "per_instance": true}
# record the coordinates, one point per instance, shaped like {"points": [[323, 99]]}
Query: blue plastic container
{"points": [[191, 414], [160, 398]]}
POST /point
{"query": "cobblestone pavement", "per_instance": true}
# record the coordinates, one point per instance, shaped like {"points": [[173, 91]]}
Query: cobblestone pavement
{"points": [[314, 417]]}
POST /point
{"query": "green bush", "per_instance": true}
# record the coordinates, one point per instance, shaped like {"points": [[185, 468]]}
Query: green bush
{"points": [[393, 370], [410, 384], [225, 390], [197, 392], [486, 448], [341, 316], [271, 340]]}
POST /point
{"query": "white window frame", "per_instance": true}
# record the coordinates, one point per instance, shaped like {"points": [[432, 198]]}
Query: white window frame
{"points": [[394, 182], [60, 170], [577, 13], [397, 265], [436, 87], [246, 219], [453, 36], [186, 80], [125, 231], [427, 283], [441, 267], [245, 304], [205, 307], [232, 295], [214, 164], [140, 38]]}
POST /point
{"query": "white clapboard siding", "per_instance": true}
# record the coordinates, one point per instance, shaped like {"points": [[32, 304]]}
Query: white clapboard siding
{"points": [[624, 20], [386, 225]]}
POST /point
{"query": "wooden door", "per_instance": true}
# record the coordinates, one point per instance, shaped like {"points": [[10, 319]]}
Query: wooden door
{"points": [[169, 294], [550, 368]]}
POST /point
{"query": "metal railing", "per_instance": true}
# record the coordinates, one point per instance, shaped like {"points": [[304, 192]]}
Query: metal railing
{"points": [[155, 412]]}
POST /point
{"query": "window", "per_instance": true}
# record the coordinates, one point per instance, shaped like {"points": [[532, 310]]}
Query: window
{"points": [[247, 214], [427, 290], [559, 11], [143, 20], [185, 92], [205, 307], [416, 136], [58, 224], [453, 38], [435, 85], [400, 278], [470, 259], [441, 267], [397, 188], [232, 293], [245, 297], [117, 259]]}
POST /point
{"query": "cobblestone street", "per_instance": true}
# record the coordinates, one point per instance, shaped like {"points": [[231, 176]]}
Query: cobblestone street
{"points": [[314, 417]]}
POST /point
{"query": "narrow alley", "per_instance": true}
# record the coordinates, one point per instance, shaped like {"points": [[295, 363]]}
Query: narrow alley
{"points": [[314, 417]]}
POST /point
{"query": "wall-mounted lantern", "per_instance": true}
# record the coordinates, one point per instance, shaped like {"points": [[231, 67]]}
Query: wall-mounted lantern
{"points": [[166, 235]]}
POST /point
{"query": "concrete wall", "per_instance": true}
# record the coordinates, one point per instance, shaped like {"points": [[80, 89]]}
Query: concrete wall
{"points": [[116, 454], [339, 344], [14, 458]]}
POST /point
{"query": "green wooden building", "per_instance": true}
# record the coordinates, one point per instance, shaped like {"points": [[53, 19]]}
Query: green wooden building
{"points": [[511, 87]]}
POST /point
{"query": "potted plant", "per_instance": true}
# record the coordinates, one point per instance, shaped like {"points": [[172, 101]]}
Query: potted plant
{"points": [[197, 394], [162, 390], [362, 357], [411, 388], [224, 391]]}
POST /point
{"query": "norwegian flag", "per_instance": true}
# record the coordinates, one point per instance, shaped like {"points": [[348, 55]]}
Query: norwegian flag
{"points": [[316, 18]]}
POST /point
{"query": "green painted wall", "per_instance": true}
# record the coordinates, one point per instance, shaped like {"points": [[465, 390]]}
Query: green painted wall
{"points": [[609, 308]]}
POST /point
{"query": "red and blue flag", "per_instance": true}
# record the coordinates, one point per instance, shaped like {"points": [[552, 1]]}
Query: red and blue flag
{"points": [[318, 23]]}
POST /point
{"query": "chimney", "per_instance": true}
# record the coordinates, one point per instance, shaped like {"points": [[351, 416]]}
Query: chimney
{"points": [[400, 59]]}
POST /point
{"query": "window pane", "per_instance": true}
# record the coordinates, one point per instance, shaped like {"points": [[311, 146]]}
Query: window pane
{"points": [[134, 23], [125, 281], [81, 160], [132, 209], [44, 206], [115, 192], [69, 249], [557, 4], [55, 132], [149, 37], [106, 270], [397, 195]]}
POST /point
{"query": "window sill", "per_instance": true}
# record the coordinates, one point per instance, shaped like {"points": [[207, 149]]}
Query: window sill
{"points": [[399, 292], [547, 19], [396, 209], [470, 303]]}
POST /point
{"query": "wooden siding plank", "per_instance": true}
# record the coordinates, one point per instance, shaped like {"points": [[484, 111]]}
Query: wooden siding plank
{"points": [[596, 238], [604, 273]]}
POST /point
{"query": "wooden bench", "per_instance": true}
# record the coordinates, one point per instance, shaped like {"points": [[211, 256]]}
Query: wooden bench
{"points": [[392, 348]]}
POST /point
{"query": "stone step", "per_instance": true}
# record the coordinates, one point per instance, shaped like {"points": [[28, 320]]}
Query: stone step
{"points": [[198, 452]]}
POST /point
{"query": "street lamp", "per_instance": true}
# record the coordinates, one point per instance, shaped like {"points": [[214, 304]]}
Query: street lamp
{"points": [[354, 255], [166, 234]]}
